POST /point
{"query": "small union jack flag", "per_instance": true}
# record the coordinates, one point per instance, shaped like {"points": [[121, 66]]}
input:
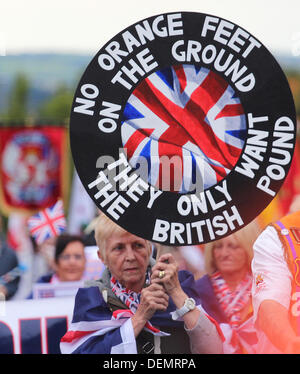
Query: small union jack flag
{"points": [[189, 112], [48, 223]]}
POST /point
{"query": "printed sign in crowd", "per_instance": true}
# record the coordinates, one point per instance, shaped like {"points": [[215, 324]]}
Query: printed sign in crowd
{"points": [[34, 326], [177, 123]]}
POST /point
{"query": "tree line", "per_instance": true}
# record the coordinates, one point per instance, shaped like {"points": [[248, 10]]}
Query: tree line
{"points": [[53, 110]]}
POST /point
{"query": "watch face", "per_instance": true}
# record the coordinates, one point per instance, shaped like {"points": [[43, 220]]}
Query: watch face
{"points": [[190, 303], [183, 128]]}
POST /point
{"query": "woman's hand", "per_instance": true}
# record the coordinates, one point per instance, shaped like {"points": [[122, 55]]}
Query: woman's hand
{"points": [[153, 298], [171, 284], [170, 281]]}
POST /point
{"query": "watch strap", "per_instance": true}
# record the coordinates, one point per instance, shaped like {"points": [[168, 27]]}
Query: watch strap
{"points": [[181, 311]]}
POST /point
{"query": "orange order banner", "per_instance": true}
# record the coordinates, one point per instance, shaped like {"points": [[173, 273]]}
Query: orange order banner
{"points": [[33, 167]]}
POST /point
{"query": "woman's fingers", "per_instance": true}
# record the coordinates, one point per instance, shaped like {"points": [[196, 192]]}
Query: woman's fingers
{"points": [[166, 258], [165, 272], [154, 298], [162, 272], [156, 290]]}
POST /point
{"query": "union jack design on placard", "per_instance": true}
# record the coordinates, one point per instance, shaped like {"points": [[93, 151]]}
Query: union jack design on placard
{"points": [[48, 223], [188, 117]]}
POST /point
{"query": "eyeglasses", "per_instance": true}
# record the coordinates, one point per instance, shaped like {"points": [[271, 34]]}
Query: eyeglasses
{"points": [[67, 257]]}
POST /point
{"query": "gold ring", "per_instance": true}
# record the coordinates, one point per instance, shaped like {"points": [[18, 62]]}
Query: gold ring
{"points": [[161, 274]]}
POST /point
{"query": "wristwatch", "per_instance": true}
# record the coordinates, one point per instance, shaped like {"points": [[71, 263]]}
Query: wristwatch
{"points": [[189, 305]]}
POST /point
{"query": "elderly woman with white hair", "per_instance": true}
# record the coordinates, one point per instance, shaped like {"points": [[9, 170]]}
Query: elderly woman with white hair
{"points": [[225, 290], [138, 306]]}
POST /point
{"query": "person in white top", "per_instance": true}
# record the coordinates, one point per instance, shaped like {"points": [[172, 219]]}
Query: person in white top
{"points": [[271, 295]]}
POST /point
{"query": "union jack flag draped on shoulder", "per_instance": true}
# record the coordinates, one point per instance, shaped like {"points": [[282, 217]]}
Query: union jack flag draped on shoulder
{"points": [[189, 112], [48, 223], [96, 330]]}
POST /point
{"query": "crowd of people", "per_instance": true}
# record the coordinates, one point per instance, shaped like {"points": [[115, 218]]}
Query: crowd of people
{"points": [[238, 294]]}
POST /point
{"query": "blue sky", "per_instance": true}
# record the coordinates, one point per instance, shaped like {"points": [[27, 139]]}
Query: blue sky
{"points": [[83, 26]]}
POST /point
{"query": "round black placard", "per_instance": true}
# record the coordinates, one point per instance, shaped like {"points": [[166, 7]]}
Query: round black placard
{"points": [[183, 128]]}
